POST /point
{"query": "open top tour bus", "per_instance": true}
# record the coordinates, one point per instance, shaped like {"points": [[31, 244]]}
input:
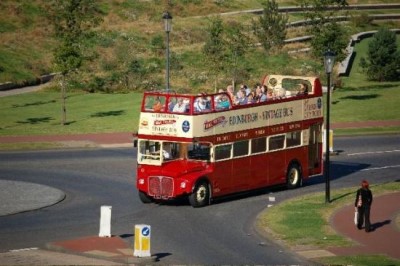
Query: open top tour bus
{"points": [[204, 146]]}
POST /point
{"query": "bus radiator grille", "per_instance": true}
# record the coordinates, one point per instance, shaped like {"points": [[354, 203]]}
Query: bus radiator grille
{"points": [[161, 187]]}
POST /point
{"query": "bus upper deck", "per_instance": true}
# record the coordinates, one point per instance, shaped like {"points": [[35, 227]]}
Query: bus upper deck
{"points": [[168, 114], [279, 88]]}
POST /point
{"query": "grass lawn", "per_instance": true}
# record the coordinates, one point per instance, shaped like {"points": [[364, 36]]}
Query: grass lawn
{"points": [[290, 222], [360, 99], [40, 113]]}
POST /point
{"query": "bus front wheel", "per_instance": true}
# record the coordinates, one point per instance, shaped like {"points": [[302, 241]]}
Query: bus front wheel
{"points": [[200, 196], [144, 198], [293, 176]]}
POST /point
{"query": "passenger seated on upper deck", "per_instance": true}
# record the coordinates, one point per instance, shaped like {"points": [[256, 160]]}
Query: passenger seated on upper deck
{"points": [[171, 105], [260, 96], [250, 98], [180, 106], [270, 94], [230, 91], [222, 102], [202, 104], [303, 89], [157, 106], [241, 98], [280, 93]]}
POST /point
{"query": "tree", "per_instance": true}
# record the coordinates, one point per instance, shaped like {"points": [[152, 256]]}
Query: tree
{"points": [[330, 37], [270, 29], [214, 48], [73, 21], [225, 48], [237, 44], [327, 33], [383, 58]]}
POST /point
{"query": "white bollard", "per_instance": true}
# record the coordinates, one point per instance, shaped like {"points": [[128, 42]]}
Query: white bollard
{"points": [[105, 221], [330, 141]]}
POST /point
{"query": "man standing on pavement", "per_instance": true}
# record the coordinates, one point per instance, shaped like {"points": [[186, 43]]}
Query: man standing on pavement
{"points": [[363, 204]]}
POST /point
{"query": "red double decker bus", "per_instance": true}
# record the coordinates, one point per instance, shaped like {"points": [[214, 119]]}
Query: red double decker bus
{"points": [[204, 146]]}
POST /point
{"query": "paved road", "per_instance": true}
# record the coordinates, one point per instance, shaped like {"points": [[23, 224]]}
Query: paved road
{"points": [[91, 178]]}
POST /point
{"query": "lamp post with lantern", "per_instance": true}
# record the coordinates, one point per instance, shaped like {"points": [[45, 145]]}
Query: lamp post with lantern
{"points": [[168, 27], [329, 61]]}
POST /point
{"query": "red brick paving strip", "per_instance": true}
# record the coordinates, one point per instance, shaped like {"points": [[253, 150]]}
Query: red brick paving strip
{"points": [[107, 244], [366, 124], [100, 138], [385, 239]]}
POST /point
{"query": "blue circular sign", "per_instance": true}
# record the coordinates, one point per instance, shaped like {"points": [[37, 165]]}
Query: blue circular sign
{"points": [[319, 103], [145, 231], [185, 126]]}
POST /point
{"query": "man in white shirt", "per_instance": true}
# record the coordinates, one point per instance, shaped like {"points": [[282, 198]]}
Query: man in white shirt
{"points": [[179, 107]]}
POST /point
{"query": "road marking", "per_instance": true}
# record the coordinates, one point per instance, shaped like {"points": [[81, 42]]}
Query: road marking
{"points": [[23, 249], [380, 168], [371, 152]]}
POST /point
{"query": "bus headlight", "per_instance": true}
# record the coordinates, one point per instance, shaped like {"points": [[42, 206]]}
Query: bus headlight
{"points": [[141, 181]]}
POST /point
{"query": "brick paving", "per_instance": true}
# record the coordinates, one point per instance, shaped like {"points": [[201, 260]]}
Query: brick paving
{"points": [[385, 235]]}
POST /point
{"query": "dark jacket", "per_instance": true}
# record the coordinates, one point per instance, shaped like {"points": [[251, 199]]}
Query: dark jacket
{"points": [[366, 197]]}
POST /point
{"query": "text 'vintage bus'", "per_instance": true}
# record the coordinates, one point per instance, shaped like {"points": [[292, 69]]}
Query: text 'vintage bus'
{"points": [[204, 146]]}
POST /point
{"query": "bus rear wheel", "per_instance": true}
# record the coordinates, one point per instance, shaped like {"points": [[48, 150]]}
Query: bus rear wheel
{"points": [[293, 177], [200, 196], [144, 198]]}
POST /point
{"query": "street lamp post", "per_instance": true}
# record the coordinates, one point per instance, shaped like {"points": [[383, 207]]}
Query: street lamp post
{"points": [[329, 61], [168, 27]]}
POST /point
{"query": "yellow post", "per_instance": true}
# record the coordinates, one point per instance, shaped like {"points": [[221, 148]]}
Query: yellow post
{"points": [[331, 140], [142, 241]]}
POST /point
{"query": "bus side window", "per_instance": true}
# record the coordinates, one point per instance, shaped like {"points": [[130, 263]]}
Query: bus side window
{"points": [[241, 148], [276, 142], [293, 139], [199, 151], [154, 103], [258, 145], [223, 152]]}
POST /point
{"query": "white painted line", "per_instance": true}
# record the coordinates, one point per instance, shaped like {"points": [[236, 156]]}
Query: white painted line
{"points": [[380, 168], [371, 152], [23, 249]]}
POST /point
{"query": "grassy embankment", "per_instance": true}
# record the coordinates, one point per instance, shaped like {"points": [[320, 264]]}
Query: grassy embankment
{"points": [[40, 113]]}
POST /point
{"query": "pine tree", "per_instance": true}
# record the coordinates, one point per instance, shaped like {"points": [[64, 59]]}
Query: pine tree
{"points": [[383, 58], [270, 29], [327, 33], [214, 48]]}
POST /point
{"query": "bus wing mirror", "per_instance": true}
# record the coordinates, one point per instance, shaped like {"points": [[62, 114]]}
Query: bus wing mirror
{"points": [[135, 140]]}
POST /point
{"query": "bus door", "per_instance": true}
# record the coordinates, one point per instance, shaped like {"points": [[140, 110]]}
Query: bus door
{"points": [[277, 160], [259, 163], [241, 168], [314, 153], [222, 172], [231, 172]]}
